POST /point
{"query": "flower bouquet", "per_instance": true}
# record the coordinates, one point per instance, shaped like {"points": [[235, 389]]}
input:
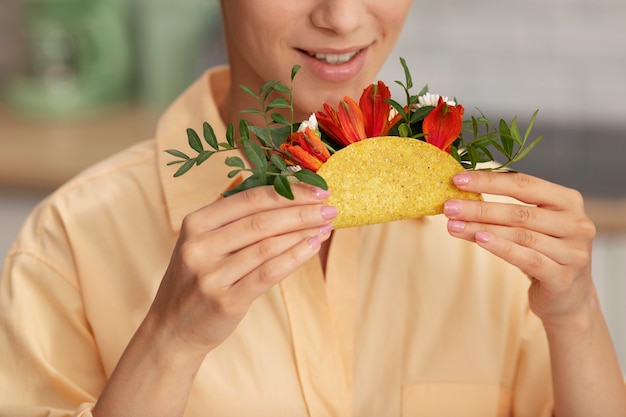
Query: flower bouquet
{"points": [[383, 160]]}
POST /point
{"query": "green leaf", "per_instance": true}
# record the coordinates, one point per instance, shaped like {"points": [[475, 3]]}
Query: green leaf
{"points": [[194, 140], [407, 74], [279, 118], [255, 154], [528, 148], [235, 161], [244, 130], [278, 162], [203, 156], [250, 182], [282, 88], [230, 135], [278, 103], [185, 167], [398, 107], [404, 130], [294, 71], [225, 146], [423, 91], [505, 138], [282, 187], [530, 125], [248, 91], [280, 134], [209, 136], [252, 111], [266, 89], [233, 173], [176, 162], [311, 178], [474, 126], [262, 133], [421, 113], [515, 135], [177, 153]]}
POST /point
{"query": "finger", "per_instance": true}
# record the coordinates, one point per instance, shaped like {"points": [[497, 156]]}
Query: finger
{"points": [[552, 223], [553, 248], [254, 200], [523, 187], [533, 263], [260, 226], [273, 271], [245, 261]]}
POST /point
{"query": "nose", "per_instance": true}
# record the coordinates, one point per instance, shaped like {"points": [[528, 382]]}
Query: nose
{"points": [[338, 16]]}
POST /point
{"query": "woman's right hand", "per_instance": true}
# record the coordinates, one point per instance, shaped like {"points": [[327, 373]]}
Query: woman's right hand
{"points": [[228, 254], [231, 252]]}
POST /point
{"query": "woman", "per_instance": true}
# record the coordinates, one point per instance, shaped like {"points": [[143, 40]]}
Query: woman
{"points": [[129, 292]]}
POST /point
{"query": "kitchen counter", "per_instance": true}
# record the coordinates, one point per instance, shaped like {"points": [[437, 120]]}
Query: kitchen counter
{"points": [[44, 154]]}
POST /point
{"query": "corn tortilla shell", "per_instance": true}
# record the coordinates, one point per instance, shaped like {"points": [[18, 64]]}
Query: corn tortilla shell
{"points": [[390, 178]]}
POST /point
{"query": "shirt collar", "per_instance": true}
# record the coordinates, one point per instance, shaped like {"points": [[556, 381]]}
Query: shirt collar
{"points": [[203, 184]]}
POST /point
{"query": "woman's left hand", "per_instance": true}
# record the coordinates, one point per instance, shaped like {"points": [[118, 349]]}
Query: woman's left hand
{"points": [[548, 236]]}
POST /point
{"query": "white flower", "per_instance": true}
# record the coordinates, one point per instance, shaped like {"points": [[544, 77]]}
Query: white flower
{"points": [[311, 123], [429, 99]]}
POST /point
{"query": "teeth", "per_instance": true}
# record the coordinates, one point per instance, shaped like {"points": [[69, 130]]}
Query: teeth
{"points": [[334, 59]]}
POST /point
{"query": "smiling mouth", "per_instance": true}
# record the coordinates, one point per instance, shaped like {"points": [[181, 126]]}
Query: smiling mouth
{"points": [[333, 59]]}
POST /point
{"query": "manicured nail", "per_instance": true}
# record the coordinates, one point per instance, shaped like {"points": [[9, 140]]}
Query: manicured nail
{"points": [[452, 208], [456, 226], [462, 179], [314, 242], [324, 230], [329, 212], [483, 237], [320, 193]]}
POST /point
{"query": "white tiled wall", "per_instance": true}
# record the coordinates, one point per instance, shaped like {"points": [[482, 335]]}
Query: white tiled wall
{"points": [[567, 57]]}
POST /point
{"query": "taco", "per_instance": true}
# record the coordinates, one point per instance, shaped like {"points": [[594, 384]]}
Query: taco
{"points": [[390, 178]]}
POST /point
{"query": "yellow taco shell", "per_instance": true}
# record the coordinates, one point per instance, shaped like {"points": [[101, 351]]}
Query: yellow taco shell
{"points": [[390, 178]]}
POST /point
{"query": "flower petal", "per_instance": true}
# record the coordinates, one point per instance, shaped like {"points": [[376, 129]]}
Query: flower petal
{"points": [[375, 109], [443, 125], [351, 118]]}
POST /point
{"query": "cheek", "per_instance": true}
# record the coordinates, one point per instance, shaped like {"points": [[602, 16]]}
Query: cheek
{"points": [[394, 16]]}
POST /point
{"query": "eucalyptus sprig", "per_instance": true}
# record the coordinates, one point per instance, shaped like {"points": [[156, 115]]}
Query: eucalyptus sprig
{"points": [[479, 133], [268, 166]]}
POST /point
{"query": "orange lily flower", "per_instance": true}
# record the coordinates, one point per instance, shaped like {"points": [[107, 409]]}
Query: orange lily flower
{"points": [[376, 110], [306, 149], [354, 121], [443, 125]]}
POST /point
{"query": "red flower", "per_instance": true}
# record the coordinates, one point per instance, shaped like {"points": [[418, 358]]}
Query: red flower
{"points": [[376, 110], [306, 149], [443, 125], [354, 122]]}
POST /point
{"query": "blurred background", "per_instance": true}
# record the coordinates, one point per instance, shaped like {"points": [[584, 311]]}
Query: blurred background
{"points": [[83, 79]]}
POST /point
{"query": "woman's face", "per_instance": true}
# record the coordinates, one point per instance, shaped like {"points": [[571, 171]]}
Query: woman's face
{"points": [[340, 44]]}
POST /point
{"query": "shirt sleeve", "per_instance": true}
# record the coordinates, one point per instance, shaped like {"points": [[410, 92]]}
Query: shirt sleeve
{"points": [[49, 364]]}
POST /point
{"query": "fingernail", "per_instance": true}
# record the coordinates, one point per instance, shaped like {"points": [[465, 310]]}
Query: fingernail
{"points": [[329, 212], [452, 208], [321, 193], [324, 230], [483, 237], [462, 179], [456, 226], [314, 242]]}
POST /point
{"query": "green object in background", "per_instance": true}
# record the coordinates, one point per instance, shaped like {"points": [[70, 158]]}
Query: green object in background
{"points": [[173, 38], [79, 58]]}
